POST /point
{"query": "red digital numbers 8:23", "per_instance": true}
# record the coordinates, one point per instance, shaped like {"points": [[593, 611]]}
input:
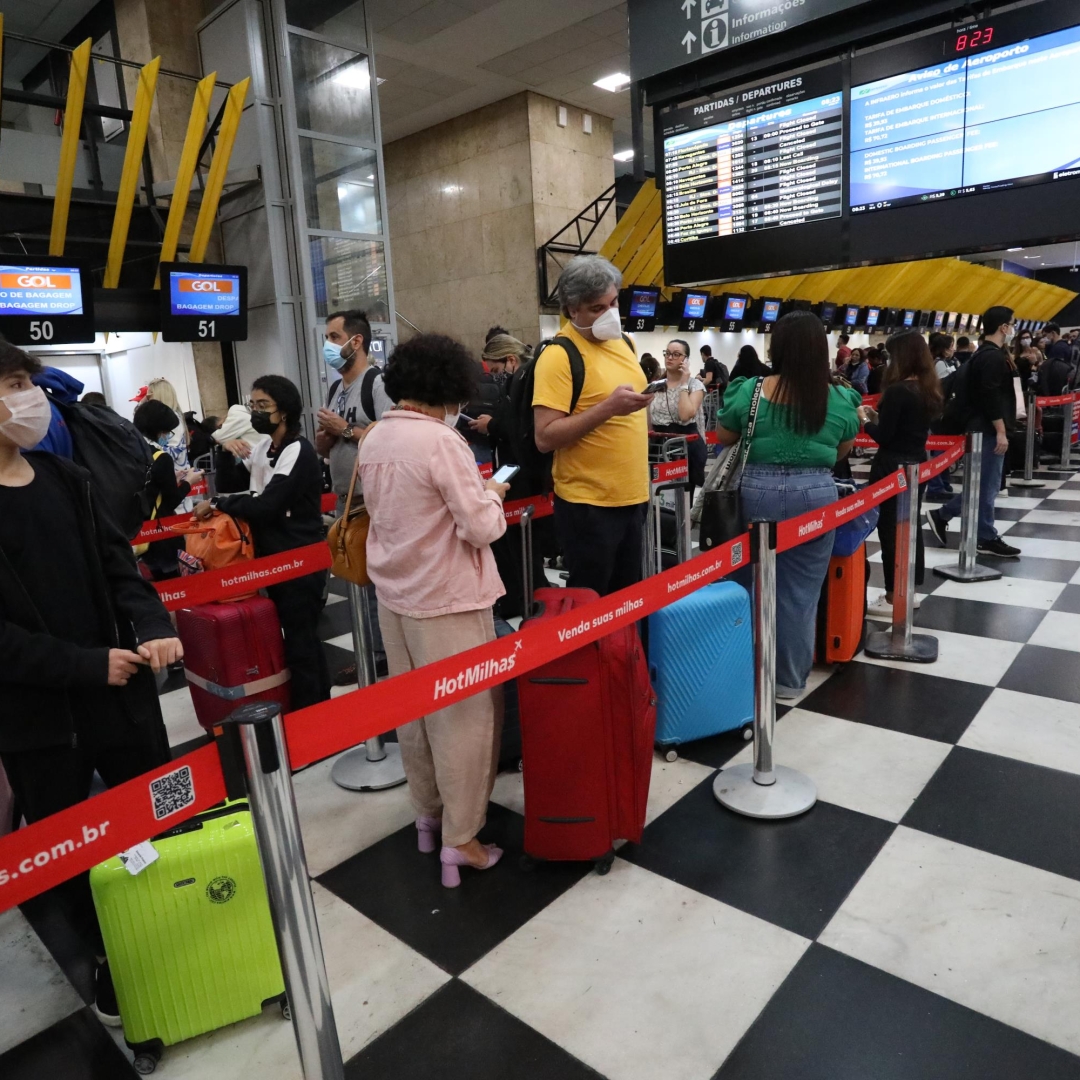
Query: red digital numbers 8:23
{"points": [[964, 42]]}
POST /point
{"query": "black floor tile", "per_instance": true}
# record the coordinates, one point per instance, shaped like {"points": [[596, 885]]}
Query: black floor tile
{"points": [[1047, 672], [48, 915], [717, 750], [877, 580], [1023, 812], [335, 620], [1064, 506], [793, 873], [1071, 485], [397, 887], [76, 1048], [337, 658], [338, 586], [1040, 531], [1032, 568], [458, 1032], [913, 702], [836, 1018], [1004, 622], [1069, 600]]}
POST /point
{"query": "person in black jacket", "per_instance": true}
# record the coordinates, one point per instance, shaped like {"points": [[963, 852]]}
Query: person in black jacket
{"points": [[910, 399], [748, 365], [991, 410], [284, 513], [164, 490], [80, 633]]}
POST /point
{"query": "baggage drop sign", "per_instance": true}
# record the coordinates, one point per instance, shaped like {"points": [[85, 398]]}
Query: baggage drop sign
{"points": [[46, 301], [203, 302]]}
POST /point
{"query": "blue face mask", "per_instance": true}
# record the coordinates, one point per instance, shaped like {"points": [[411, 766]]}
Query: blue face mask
{"points": [[332, 355]]}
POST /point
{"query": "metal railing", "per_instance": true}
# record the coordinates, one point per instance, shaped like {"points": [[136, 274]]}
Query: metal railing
{"points": [[572, 239]]}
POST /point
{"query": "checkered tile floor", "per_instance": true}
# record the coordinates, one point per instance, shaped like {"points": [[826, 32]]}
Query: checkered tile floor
{"points": [[922, 921]]}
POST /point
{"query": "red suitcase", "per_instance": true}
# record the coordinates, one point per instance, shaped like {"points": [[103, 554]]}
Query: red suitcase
{"points": [[842, 608], [233, 653], [588, 721]]}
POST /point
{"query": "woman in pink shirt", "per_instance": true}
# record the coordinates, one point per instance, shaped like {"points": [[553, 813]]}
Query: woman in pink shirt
{"points": [[428, 555]]}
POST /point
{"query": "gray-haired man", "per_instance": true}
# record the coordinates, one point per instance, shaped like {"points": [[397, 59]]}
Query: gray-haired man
{"points": [[601, 447]]}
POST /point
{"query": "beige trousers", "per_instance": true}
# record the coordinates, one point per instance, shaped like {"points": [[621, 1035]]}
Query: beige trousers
{"points": [[450, 756]]}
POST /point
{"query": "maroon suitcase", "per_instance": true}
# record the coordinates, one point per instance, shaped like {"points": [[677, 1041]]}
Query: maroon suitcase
{"points": [[588, 721], [233, 653]]}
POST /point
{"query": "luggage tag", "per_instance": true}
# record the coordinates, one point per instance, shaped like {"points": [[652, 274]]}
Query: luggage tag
{"points": [[136, 859]]}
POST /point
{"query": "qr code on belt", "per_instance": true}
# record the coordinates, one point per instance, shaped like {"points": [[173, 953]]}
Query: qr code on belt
{"points": [[736, 554], [172, 792]]}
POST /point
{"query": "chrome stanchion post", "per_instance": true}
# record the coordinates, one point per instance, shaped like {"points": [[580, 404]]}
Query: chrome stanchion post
{"points": [[764, 789], [1064, 463], [900, 643], [281, 851], [968, 569], [1028, 480], [376, 765]]}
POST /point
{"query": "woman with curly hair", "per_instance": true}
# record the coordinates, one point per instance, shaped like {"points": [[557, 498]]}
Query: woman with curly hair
{"points": [[428, 554]]}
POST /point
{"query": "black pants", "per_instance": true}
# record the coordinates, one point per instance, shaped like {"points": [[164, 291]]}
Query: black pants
{"points": [[299, 603], [883, 465], [601, 545], [47, 781]]}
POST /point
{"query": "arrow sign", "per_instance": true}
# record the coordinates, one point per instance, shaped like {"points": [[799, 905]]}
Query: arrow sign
{"points": [[689, 40], [688, 7]]}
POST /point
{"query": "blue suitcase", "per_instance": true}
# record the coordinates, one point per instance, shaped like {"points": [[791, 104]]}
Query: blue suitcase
{"points": [[701, 652]]}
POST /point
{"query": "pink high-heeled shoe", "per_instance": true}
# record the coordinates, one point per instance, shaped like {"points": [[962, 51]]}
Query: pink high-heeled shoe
{"points": [[452, 860], [427, 828]]}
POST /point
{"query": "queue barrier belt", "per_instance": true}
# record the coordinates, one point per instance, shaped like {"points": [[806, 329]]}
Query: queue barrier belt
{"points": [[48, 852]]}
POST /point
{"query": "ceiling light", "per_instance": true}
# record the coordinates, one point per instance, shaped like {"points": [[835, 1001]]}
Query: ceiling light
{"points": [[1015, 249], [1032, 256], [624, 155], [452, 189], [614, 83]]}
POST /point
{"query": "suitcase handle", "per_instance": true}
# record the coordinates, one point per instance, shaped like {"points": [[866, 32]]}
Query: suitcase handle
{"points": [[196, 823], [527, 595]]}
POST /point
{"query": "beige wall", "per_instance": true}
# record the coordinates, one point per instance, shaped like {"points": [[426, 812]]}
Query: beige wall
{"points": [[470, 199]]}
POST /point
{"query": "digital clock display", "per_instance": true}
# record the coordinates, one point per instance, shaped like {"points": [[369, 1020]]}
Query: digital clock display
{"points": [[967, 40]]}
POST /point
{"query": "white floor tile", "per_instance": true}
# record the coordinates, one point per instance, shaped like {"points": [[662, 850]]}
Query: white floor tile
{"points": [[936, 556], [638, 976], [670, 782], [994, 935], [1042, 731], [1053, 517], [375, 980], [1064, 496], [1020, 592], [342, 641], [864, 768], [962, 657], [181, 724], [34, 992], [333, 598], [1058, 630], [1034, 548], [1012, 502], [338, 823]]}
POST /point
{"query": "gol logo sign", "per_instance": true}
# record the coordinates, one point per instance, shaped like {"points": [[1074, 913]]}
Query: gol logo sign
{"points": [[206, 285], [35, 281]]}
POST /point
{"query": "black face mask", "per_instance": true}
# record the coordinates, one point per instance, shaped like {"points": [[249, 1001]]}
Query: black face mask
{"points": [[263, 423]]}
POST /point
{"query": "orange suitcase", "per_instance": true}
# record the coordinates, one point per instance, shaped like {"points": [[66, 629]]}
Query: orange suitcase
{"points": [[842, 608]]}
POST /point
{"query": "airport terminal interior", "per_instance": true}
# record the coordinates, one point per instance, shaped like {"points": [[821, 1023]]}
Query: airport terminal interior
{"points": [[890, 170]]}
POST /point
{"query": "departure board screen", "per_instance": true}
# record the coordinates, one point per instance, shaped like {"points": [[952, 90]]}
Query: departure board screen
{"points": [[757, 158], [1006, 116]]}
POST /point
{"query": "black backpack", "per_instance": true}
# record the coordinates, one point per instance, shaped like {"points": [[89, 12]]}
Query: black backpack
{"points": [[117, 457], [367, 393]]}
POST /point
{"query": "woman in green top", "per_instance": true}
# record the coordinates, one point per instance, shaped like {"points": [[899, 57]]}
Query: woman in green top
{"points": [[804, 426]]}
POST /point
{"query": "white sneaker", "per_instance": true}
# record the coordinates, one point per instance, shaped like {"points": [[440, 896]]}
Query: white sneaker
{"points": [[882, 608]]}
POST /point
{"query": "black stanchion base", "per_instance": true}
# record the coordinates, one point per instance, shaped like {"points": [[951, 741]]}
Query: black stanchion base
{"points": [[974, 572], [881, 645]]}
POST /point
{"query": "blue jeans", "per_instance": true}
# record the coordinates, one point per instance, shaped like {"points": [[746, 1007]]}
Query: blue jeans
{"points": [[775, 493], [989, 484]]}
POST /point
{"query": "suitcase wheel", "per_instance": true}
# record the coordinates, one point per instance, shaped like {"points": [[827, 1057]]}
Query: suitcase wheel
{"points": [[748, 732], [604, 863], [671, 754], [286, 1011], [147, 1056]]}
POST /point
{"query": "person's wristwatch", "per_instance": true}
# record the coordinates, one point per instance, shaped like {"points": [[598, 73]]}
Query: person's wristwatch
{"points": [[347, 434]]}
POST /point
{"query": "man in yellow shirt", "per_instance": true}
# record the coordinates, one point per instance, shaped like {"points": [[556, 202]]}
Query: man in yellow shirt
{"points": [[601, 467]]}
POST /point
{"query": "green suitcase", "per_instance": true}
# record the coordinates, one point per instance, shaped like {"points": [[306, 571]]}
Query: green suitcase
{"points": [[190, 939]]}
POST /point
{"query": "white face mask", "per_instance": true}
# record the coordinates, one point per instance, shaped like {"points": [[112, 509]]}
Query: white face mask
{"points": [[30, 417], [1009, 335], [451, 418], [607, 328]]}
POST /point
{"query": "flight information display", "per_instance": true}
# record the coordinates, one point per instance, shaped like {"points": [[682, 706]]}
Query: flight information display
{"points": [[202, 302], [45, 300], [758, 158], [1004, 116]]}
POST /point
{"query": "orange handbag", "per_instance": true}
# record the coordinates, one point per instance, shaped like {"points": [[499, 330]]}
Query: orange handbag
{"points": [[218, 542]]}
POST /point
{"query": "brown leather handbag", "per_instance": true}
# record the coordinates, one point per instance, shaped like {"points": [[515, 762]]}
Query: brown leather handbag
{"points": [[348, 539]]}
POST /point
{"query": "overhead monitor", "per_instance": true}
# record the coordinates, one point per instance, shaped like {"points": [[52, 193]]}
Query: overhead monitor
{"points": [[873, 314], [693, 312], [827, 313], [641, 316], [735, 308], [770, 311], [45, 301], [749, 160], [203, 302], [851, 315], [939, 319], [952, 323], [909, 317]]}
